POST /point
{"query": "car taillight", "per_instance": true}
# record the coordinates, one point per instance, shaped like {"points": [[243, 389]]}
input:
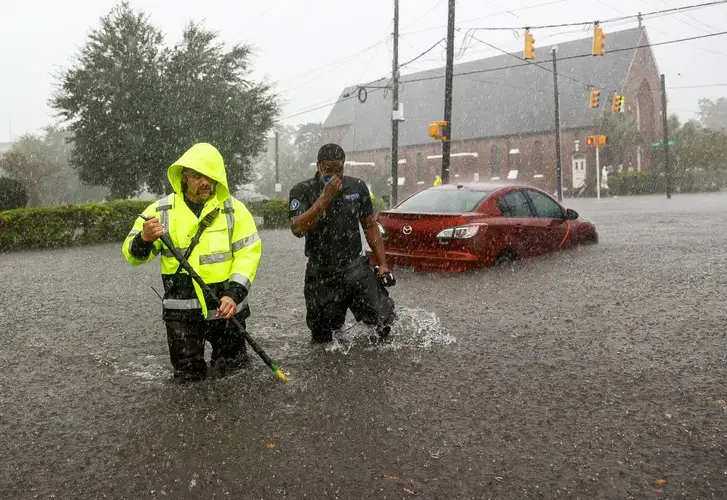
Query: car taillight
{"points": [[462, 232]]}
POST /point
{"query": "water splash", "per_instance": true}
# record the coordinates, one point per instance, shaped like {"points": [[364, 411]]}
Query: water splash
{"points": [[413, 328]]}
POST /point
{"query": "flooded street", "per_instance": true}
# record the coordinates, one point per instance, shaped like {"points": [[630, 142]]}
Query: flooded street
{"points": [[589, 374]]}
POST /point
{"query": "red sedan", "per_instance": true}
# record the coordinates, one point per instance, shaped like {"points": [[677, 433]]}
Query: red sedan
{"points": [[457, 227]]}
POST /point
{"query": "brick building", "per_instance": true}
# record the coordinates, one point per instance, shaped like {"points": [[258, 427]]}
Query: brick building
{"points": [[503, 119]]}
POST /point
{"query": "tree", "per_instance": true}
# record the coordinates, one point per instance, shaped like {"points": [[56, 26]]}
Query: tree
{"points": [[134, 106], [713, 114], [41, 164], [623, 137], [297, 149], [12, 194]]}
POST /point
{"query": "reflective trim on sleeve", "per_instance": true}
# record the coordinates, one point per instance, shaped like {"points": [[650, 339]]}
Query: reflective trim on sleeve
{"points": [[242, 280], [215, 258], [133, 232], [163, 215], [229, 211], [244, 242], [181, 304]]}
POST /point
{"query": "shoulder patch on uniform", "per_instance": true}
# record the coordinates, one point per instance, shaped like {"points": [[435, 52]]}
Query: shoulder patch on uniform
{"points": [[294, 204]]}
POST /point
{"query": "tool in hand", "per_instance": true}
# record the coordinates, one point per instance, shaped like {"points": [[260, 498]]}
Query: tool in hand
{"points": [[210, 294]]}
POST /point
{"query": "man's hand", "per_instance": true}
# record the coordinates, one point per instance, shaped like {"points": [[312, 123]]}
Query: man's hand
{"points": [[386, 277], [227, 308], [152, 230], [333, 188]]}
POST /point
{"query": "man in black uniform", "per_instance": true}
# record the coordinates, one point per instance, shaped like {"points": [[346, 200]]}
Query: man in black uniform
{"points": [[327, 210]]}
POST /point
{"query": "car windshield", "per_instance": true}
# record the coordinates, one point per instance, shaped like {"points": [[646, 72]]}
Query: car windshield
{"points": [[443, 201]]}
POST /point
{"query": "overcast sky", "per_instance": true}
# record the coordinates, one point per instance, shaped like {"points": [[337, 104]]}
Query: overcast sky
{"points": [[311, 49]]}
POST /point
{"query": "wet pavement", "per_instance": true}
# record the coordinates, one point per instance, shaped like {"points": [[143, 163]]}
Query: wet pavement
{"points": [[595, 373]]}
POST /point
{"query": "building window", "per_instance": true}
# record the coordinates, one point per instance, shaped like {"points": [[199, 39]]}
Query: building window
{"points": [[495, 161], [420, 167]]}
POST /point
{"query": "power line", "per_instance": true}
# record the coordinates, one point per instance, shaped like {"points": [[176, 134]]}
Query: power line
{"points": [[422, 54], [570, 57], [699, 86], [488, 70], [543, 4], [610, 20]]}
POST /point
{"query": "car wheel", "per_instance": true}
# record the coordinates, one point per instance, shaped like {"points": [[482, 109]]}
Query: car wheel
{"points": [[591, 239], [507, 256]]}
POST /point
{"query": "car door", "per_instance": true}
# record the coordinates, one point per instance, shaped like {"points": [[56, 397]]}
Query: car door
{"points": [[520, 217], [550, 225]]}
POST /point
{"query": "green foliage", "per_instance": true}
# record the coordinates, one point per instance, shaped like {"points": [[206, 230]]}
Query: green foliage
{"points": [[713, 114], [297, 149], [31, 228], [12, 194], [639, 183], [134, 106], [41, 164]]}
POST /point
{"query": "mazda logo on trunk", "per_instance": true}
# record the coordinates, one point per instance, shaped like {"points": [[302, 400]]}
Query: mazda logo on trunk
{"points": [[407, 230]]}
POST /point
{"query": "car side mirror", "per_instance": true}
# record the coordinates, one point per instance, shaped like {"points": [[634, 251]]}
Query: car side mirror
{"points": [[571, 214]]}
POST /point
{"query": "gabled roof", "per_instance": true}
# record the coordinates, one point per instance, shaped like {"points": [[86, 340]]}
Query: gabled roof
{"points": [[486, 103]]}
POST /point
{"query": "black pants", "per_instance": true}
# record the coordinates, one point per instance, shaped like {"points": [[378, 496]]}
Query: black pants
{"points": [[329, 293], [187, 341]]}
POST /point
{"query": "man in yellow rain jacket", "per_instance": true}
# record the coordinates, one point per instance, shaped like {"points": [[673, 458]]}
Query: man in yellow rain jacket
{"points": [[226, 255]]}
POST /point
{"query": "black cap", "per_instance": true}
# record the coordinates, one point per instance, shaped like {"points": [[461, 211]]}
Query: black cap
{"points": [[331, 152]]}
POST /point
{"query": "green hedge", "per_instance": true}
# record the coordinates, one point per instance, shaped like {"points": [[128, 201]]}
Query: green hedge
{"points": [[635, 183], [33, 228]]}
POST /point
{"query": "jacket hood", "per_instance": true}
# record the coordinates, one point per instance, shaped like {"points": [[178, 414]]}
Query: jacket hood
{"points": [[205, 159]]}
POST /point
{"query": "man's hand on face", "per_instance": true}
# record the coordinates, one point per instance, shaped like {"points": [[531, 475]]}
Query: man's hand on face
{"points": [[333, 188], [227, 308], [152, 230]]}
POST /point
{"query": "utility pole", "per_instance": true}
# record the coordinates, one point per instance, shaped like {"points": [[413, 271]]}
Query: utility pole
{"points": [[395, 109], [449, 74], [665, 123], [559, 167], [278, 187]]}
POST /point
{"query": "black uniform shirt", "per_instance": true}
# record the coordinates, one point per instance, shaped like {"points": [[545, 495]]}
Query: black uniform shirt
{"points": [[336, 238]]}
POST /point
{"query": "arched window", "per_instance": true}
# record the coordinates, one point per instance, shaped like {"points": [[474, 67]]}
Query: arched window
{"points": [[494, 161], [420, 167]]}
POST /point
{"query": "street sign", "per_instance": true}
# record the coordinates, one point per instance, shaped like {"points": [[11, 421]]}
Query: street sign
{"points": [[660, 144]]}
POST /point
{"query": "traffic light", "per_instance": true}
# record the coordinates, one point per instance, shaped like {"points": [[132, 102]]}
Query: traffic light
{"points": [[529, 46], [617, 102], [593, 102], [438, 130], [598, 38], [596, 140]]}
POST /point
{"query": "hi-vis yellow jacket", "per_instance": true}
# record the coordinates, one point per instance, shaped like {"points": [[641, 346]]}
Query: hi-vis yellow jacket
{"points": [[229, 250]]}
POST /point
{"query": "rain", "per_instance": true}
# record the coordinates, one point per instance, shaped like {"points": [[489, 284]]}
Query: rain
{"points": [[554, 220]]}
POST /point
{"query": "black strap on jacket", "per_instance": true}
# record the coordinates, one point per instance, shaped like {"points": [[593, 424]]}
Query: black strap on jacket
{"points": [[203, 224]]}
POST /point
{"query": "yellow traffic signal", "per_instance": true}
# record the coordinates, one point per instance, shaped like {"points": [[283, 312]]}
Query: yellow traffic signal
{"points": [[598, 38], [593, 102], [596, 140], [616, 102], [529, 46], [438, 130]]}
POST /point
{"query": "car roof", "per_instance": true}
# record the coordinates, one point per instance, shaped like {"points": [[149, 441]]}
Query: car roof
{"points": [[477, 186]]}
